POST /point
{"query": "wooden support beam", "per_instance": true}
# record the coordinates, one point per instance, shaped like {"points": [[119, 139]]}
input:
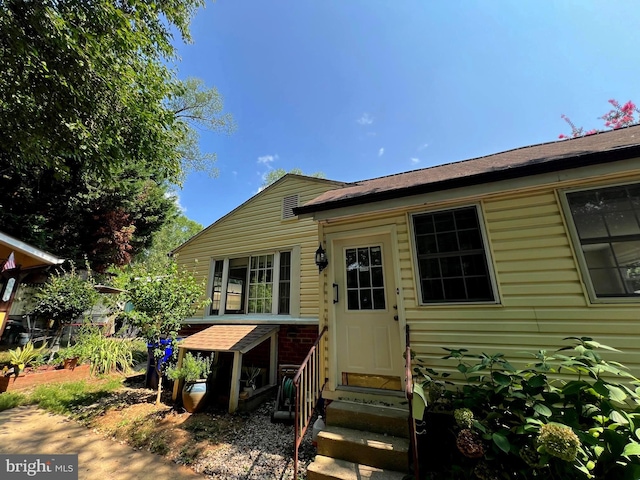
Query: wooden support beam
{"points": [[234, 394], [273, 365]]}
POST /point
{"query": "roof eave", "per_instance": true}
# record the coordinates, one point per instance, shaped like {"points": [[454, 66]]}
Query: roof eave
{"points": [[537, 168], [30, 250]]}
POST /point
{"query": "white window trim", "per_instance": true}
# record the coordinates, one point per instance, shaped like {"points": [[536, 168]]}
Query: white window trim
{"points": [[487, 252], [583, 269], [294, 299]]}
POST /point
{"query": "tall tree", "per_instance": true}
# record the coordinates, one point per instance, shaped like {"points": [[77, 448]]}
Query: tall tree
{"points": [[95, 124], [274, 175], [161, 299], [173, 233]]}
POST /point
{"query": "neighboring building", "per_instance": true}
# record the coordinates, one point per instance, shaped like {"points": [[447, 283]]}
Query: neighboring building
{"points": [[21, 266], [507, 253], [258, 264]]}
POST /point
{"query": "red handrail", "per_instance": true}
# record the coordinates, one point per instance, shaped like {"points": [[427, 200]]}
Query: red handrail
{"points": [[409, 393], [308, 390]]}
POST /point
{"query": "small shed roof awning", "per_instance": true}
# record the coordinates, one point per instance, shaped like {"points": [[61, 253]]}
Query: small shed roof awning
{"points": [[228, 338], [26, 255]]}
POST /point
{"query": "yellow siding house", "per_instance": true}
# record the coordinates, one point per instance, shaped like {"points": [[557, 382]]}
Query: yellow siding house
{"points": [[507, 253], [258, 264]]}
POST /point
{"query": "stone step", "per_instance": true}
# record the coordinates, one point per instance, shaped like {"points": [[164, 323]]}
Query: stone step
{"points": [[369, 418], [375, 449], [326, 468]]}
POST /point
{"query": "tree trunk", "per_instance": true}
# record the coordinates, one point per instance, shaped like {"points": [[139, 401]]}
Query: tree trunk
{"points": [[159, 386]]}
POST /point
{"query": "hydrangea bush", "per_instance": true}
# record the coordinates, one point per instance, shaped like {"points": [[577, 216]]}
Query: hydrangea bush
{"points": [[539, 422]]}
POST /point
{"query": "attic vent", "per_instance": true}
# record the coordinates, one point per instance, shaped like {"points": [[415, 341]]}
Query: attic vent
{"points": [[288, 204]]}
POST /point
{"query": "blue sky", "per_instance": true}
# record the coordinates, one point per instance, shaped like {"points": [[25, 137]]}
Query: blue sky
{"points": [[363, 88]]}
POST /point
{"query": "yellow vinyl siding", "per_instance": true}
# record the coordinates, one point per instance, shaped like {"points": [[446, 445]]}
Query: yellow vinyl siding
{"points": [[541, 297], [257, 227]]}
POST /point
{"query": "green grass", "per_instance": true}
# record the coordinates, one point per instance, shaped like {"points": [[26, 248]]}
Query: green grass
{"points": [[11, 400], [63, 398]]}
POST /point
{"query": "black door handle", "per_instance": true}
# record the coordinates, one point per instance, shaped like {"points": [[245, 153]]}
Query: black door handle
{"points": [[335, 293]]}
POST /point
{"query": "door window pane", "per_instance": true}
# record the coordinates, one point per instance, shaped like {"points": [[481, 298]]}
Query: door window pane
{"points": [[364, 270]]}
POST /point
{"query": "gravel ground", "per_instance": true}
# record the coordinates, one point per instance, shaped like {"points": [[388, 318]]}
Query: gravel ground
{"points": [[260, 450]]}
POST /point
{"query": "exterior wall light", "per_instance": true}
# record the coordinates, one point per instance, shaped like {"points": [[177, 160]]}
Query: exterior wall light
{"points": [[321, 259]]}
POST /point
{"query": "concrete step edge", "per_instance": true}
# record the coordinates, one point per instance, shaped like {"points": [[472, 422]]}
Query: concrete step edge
{"points": [[325, 468]]}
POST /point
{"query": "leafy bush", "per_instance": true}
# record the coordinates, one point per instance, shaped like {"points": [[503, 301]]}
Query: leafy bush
{"points": [[105, 354], [192, 368], [526, 424], [65, 297]]}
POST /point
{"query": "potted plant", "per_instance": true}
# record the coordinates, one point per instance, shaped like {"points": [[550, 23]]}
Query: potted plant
{"points": [[70, 356], [22, 356], [194, 371]]}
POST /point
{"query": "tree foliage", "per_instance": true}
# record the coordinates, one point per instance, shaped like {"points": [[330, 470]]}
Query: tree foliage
{"points": [[161, 298], [65, 297], [273, 176], [618, 117], [95, 124], [173, 233]]}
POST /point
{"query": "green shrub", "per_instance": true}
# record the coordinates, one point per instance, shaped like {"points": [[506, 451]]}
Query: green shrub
{"points": [[526, 424], [194, 367], [105, 354]]}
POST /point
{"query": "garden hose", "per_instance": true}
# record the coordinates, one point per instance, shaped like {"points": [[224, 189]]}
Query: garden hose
{"points": [[288, 388]]}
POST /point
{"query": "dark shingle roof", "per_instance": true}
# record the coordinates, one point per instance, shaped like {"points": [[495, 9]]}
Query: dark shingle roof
{"points": [[602, 147]]}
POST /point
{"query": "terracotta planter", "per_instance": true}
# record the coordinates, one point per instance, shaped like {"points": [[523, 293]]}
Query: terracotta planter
{"points": [[23, 382], [194, 395], [70, 363]]}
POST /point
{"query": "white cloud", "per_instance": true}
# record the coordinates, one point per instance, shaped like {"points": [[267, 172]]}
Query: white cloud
{"points": [[371, 134], [235, 173], [381, 152], [267, 159], [173, 195], [415, 161], [423, 146], [365, 119]]}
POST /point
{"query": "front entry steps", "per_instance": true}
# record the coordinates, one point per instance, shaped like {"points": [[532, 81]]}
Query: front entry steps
{"points": [[362, 441]]}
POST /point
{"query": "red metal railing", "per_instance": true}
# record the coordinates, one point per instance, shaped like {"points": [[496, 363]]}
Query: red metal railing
{"points": [[308, 385], [409, 393]]}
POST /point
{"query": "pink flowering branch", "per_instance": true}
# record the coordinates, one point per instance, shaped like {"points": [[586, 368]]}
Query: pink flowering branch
{"points": [[619, 116]]}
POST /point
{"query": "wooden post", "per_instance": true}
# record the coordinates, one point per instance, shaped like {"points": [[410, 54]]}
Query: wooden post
{"points": [[234, 394], [273, 366]]}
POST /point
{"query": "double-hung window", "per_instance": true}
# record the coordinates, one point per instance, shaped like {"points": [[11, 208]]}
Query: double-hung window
{"points": [[607, 230], [451, 257], [258, 284]]}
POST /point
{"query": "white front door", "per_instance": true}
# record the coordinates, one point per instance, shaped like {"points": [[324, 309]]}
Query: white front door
{"points": [[369, 351]]}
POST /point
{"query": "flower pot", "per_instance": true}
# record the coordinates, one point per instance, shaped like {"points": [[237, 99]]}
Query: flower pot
{"points": [[70, 363], [194, 394]]}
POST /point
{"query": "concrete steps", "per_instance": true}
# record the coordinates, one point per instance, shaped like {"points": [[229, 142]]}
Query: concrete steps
{"points": [[332, 468], [362, 441], [369, 418]]}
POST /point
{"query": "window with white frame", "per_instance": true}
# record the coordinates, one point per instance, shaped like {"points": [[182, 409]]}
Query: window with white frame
{"points": [[451, 257], [607, 225], [258, 284]]}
